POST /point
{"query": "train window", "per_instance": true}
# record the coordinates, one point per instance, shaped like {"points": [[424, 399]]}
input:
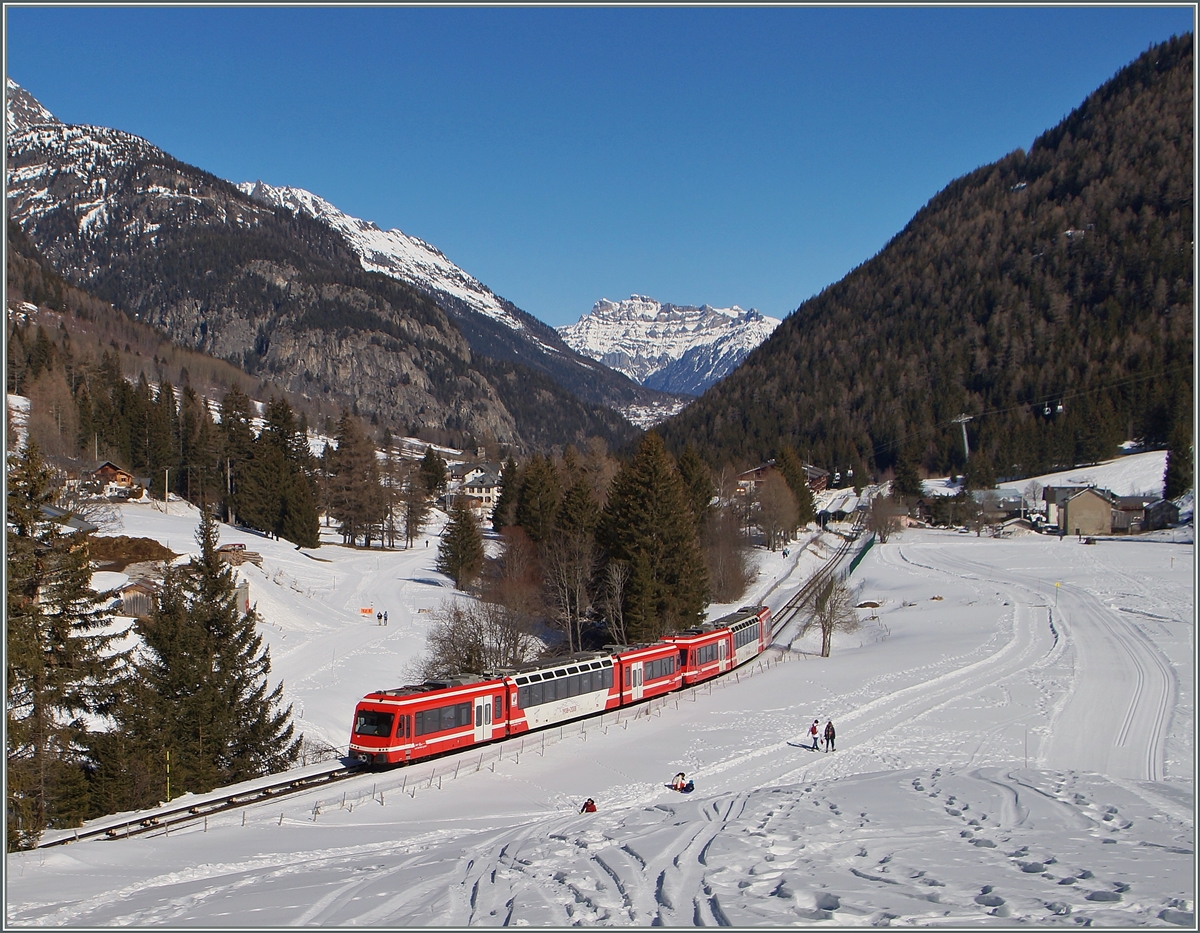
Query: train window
{"points": [[585, 682], [478, 715], [524, 697], [371, 723], [499, 706], [607, 674], [535, 698]]}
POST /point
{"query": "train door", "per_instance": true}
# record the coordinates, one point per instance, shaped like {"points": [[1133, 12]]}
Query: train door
{"points": [[722, 654], [635, 680], [483, 719]]}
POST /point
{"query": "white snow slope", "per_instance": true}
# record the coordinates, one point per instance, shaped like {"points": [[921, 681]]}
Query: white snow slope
{"points": [[1015, 747], [674, 348]]}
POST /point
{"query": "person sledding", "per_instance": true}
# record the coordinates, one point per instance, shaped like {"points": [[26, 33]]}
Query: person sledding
{"points": [[682, 784], [589, 806]]}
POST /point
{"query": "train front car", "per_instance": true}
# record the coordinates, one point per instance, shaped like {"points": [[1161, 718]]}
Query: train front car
{"points": [[397, 726], [548, 692]]}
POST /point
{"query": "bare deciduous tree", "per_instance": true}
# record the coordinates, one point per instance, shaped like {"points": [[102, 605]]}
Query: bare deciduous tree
{"points": [[883, 518], [778, 514], [570, 562], [727, 555], [473, 637], [616, 575], [833, 611]]}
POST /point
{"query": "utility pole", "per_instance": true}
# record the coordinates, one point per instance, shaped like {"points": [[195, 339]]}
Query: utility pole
{"points": [[962, 420]]}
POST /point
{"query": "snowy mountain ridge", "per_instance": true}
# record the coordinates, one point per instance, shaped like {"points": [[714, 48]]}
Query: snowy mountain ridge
{"points": [[673, 348], [392, 252]]}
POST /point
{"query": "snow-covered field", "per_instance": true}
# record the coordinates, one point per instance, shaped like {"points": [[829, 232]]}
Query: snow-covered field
{"points": [[1015, 746]]}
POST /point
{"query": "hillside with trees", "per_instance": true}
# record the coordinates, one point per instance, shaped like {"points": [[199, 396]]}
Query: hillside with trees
{"points": [[1048, 296]]}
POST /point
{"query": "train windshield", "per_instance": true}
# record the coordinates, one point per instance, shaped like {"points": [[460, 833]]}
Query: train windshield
{"points": [[368, 722]]}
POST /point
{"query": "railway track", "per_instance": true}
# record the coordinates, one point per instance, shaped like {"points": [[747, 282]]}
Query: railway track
{"points": [[164, 819], [785, 633]]}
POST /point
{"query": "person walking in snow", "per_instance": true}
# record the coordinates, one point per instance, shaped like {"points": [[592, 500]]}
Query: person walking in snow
{"points": [[829, 736], [379, 618], [814, 733], [385, 617]]}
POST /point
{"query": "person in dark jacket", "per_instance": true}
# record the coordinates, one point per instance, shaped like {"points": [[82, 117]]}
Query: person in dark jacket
{"points": [[829, 736], [589, 806]]}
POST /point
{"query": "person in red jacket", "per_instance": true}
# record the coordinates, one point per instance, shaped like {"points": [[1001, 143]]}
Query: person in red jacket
{"points": [[589, 806], [814, 733]]}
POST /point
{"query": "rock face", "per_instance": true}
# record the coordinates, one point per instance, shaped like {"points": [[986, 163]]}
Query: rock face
{"points": [[493, 326], [270, 289], [672, 348]]}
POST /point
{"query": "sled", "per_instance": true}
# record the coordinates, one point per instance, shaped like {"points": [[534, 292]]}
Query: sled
{"points": [[686, 789]]}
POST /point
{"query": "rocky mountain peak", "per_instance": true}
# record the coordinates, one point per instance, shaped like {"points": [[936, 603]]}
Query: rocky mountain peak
{"points": [[22, 110]]}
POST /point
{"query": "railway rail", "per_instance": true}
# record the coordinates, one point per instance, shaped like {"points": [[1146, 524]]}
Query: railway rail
{"points": [[164, 819], [785, 633]]}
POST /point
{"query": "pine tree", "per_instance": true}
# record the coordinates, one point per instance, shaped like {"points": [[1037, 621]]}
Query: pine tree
{"points": [[504, 513], [58, 662], [1178, 477], [698, 484], [907, 482], [797, 479], [355, 494], [433, 471], [460, 553], [202, 691], [537, 502], [647, 522]]}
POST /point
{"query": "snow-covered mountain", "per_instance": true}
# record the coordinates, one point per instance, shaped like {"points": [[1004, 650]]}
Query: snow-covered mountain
{"points": [[672, 348], [22, 111], [493, 326], [391, 252], [224, 270]]}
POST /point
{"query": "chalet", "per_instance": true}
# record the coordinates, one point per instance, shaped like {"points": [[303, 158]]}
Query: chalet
{"points": [[999, 504], [816, 478], [1055, 496], [107, 473], [485, 488], [1161, 514], [138, 598], [1088, 512], [1129, 513]]}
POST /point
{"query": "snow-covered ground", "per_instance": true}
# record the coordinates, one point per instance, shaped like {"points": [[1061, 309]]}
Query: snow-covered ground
{"points": [[1015, 745]]}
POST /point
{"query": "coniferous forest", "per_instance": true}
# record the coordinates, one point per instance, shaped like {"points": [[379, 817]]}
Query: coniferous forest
{"points": [[1048, 296]]}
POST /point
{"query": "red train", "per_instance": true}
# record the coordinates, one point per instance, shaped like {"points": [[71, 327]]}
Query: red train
{"points": [[408, 723]]}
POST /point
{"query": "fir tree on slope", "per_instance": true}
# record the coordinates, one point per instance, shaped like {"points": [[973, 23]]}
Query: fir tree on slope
{"points": [[460, 553], [200, 690], [648, 523], [58, 661]]}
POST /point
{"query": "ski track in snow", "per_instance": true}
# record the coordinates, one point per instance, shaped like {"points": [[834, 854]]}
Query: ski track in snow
{"points": [[928, 812]]}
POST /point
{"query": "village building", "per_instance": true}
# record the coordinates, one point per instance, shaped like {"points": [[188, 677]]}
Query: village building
{"points": [[1087, 513]]}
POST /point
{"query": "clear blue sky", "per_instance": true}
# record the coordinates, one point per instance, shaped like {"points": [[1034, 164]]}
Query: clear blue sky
{"points": [[746, 156]]}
